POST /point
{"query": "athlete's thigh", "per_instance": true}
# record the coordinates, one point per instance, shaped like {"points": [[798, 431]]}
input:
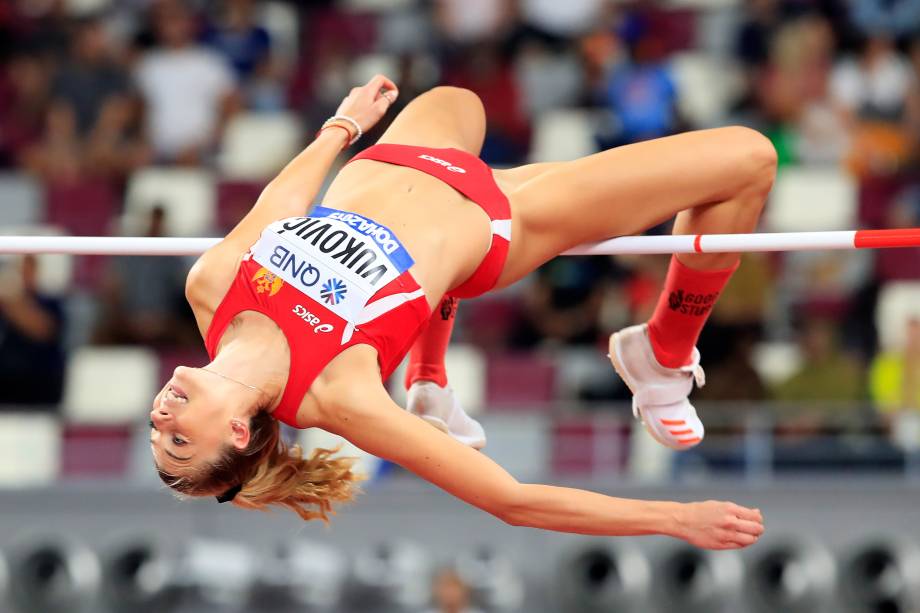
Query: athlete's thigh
{"points": [[441, 117], [619, 192]]}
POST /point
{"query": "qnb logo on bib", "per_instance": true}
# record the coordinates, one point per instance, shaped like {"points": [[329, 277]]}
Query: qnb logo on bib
{"points": [[443, 163], [289, 262]]}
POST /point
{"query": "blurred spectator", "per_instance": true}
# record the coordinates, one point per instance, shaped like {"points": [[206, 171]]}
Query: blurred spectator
{"points": [[762, 18], [894, 386], [90, 78], [466, 22], [450, 594], [91, 125], [900, 264], [24, 96], [486, 70], [31, 332], [873, 90], [563, 304], [189, 91], [245, 44], [827, 374], [894, 376], [734, 378], [891, 17], [561, 20], [143, 297], [641, 93]]}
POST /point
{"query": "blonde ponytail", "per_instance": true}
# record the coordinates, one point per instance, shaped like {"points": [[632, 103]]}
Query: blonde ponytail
{"points": [[306, 486], [271, 473]]}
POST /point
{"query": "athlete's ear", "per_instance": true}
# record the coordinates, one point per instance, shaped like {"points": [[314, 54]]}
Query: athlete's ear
{"points": [[240, 433]]}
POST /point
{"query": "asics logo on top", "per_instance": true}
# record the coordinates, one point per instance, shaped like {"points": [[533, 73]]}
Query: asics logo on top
{"points": [[314, 321], [443, 163]]}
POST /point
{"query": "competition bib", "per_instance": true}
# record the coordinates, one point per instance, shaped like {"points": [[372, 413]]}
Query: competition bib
{"points": [[338, 259]]}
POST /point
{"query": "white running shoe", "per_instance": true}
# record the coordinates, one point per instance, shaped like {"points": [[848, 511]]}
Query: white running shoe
{"points": [[439, 407], [659, 393]]}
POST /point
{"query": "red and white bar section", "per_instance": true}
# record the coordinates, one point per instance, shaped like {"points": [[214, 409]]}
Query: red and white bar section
{"points": [[773, 241], [701, 243]]}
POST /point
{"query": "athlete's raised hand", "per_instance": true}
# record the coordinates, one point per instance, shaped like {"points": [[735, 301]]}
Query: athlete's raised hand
{"points": [[720, 525], [368, 103]]}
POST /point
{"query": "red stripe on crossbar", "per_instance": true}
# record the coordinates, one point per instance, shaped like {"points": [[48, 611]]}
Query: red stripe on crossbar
{"points": [[876, 239], [696, 244]]}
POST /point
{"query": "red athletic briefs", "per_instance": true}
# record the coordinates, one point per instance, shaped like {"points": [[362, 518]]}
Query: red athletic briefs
{"points": [[335, 279], [470, 176]]}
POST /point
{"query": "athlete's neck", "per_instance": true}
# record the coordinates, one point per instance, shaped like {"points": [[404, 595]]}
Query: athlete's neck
{"points": [[254, 354]]}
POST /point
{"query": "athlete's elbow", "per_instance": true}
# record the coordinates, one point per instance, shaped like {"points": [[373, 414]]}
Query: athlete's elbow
{"points": [[514, 509]]}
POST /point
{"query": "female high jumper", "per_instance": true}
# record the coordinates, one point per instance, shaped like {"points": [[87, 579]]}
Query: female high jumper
{"points": [[304, 312]]}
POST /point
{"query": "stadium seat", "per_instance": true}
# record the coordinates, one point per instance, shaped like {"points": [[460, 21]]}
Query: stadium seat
{"points": [[282, 22], [169, 358], [811, 199], [187, 196], [110, 385], [706, 86], [361, 6], [95, 451], [256, 146], [776, 361], [29, 449], [520, 382], [84, 208], [234, 200], [21, 200], [55, 270], [563, 135], [363, 68], [898, 302]]}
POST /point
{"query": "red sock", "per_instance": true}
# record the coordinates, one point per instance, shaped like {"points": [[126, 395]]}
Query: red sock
{"points": [[426, 360], [682, 310]]}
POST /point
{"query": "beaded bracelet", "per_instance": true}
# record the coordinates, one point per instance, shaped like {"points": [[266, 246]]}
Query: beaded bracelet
{"points": [[348, 140], [358, 131]]}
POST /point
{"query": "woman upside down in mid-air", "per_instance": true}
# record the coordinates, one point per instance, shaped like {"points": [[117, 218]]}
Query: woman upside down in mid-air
{"points": [[305, 312]]}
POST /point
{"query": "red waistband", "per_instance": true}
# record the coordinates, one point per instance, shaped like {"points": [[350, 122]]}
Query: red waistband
{"points": [[470, 176]]}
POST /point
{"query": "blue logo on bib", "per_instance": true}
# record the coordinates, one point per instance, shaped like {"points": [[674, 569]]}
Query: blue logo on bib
{"points": [[334, 291]]}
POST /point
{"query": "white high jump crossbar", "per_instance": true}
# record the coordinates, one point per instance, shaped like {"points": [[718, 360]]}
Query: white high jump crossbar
{"points": [[688, 243]]}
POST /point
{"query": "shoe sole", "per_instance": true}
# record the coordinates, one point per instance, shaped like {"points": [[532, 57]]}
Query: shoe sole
{"points": [[617, 361]]}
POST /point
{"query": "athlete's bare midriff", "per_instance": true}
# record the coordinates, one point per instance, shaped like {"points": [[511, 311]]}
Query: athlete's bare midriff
{"points": [[446, 234]]}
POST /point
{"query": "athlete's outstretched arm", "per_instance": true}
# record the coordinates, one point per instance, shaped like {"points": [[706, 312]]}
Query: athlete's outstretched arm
{"points": [[365, 415], [290, 193]]}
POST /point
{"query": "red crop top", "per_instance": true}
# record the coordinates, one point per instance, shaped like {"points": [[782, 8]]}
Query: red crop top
{"points": [[330, 281]]}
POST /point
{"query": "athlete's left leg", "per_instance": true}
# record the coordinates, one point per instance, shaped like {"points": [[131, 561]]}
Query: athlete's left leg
{"points": [[714, 180]]}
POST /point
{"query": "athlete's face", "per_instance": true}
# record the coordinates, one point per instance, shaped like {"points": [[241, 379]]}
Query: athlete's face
{"points": [[194, 417]]}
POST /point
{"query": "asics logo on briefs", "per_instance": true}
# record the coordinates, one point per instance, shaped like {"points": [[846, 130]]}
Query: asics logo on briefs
{"points": [[443, 163], [314, 321], [334, 291]]}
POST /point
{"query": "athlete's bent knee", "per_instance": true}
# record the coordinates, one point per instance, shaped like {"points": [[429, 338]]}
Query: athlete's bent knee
{"points": [[757, 159], [456, 95]]}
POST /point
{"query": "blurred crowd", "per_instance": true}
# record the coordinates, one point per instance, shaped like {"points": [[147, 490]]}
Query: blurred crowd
{"points": [[93, 91]]}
